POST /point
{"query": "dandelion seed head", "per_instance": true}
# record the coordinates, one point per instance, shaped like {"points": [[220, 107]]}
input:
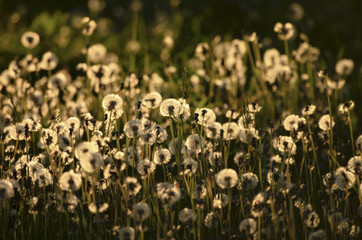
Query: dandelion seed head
{"points": [[275, 159], [99, 74], [345, 107], [119, 156], [90, 123], [133, 156], [145, 167], [185, 112], [187, 216], [246, 120], [168, 42], [344, 178], [206, 116], [113, 104], [126, 233], [334, 84], [227, 178], [308, 110], [220, 200], [199, 192], [194, 143], [31, 125], [133, 46], [162, 156], [148, 136], [33, 204], [152, 100], [43, 177], [248, 181], [354, 165], [154, 81], [344, 67], [49, 137], [170, 108], [286, 145], [91, 161], [271, 58], [211, 220], [168, 193], [213, 130], [98, 208], [189, 166], [355, 231], [70, 181], [318, 235], [97, 53], [248, 225], [133, 128], [325, 122], [312, 220], [9, 133], [285, 31], [141, 211], [30, 63], [257, 206], [32, 166], [58, 81], [72, 201], [328, 180], [89, 26], [30, 39], [202, 51], [73, 125], [160, 133], [231, 131], [132, 185], [343, 226], [292, 122], [232, 114], [84, 148], [240, 158], [275, 176], [81, 69], [359, 143], [254, 107], [49, 61], [14, 71], [20, 132], [6, 189]]}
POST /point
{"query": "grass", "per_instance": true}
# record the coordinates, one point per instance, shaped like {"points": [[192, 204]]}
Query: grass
{"points": [[260, 143]]}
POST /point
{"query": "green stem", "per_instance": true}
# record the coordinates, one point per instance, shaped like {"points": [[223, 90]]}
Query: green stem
{"points": [[350, 131]]}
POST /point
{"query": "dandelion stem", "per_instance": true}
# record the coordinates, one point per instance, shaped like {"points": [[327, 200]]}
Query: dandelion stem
{"points": [[229, 208], [259, 227], [330, 112], [286, 49], [350, 131], [175, 146]]}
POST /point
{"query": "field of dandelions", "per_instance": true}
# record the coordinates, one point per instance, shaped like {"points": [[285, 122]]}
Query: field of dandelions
{"points": [[236, 141]]}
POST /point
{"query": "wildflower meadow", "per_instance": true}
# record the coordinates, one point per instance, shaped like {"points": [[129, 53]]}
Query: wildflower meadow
{"points": [[163, 130]]}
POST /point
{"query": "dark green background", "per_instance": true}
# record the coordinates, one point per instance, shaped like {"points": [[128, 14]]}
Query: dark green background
{"points": [[334, 26]]}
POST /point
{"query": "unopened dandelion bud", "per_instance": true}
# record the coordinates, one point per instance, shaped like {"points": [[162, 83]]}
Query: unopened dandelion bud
{"points": [[196, 117], [139, 105], [221, 133], [193, 124], [325, 71], [139, 116]]}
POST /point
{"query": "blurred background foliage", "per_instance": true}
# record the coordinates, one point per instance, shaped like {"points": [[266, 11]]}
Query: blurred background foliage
{"points": [[334, 26]]}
